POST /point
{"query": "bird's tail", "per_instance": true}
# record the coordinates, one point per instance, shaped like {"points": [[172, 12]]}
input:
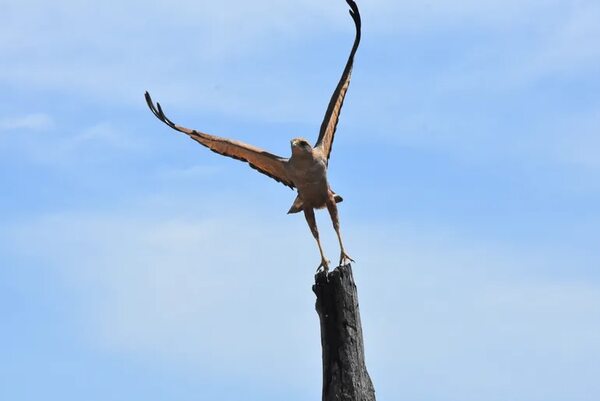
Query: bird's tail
{"points": [[298, 204]]}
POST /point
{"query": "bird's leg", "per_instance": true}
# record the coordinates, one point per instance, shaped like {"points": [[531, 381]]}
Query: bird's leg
{"points": [[309, 213], [333, 212]]}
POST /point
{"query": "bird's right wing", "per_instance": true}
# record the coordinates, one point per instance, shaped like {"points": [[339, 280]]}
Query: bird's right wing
{"points": [[260, 160], [330, 121]]}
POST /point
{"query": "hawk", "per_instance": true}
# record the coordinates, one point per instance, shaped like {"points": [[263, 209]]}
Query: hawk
{"points": [[306, 168]]}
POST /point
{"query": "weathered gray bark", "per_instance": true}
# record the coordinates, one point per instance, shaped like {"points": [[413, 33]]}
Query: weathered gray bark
{"points": [[345, 376]]}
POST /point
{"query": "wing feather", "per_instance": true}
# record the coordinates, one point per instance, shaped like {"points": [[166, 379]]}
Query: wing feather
{"points": [[330, 121], [267, 163]]}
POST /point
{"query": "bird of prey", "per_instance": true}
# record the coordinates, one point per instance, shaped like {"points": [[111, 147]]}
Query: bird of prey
{"points": [[306, 169]]}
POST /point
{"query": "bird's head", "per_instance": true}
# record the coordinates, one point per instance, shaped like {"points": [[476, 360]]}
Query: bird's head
{"points": [[300, 146]]}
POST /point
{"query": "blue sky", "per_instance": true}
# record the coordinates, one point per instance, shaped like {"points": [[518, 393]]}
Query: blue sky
{"points": [[134, 264]]}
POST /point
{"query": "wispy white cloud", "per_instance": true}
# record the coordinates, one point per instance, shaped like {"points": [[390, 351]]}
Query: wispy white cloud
{"points": [[103, 133], [570, 49], [570, 141], [184, 173], [419, 16], [30, 122], [70, 146]]}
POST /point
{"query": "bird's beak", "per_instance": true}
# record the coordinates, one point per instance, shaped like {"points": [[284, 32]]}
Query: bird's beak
{"points": [[294, 142]]}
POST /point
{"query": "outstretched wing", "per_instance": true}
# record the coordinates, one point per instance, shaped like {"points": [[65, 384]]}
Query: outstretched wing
{"points": [[332, 115], [260, 160]]}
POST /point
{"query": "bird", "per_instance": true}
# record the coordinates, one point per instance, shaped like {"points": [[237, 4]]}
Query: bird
{"points": [[306, 168]]}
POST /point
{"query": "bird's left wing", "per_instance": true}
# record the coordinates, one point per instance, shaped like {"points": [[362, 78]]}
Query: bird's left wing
{"points": [[260, 160], [332, 115]]}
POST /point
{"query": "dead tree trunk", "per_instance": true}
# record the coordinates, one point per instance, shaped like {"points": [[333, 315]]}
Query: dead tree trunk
{"points": [[345, 376]]}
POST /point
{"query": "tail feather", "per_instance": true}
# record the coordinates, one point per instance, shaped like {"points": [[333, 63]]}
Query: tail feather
{"points": [[298, 205]]}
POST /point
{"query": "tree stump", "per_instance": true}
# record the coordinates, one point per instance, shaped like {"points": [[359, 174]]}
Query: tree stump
{"points": [[345, 376]]}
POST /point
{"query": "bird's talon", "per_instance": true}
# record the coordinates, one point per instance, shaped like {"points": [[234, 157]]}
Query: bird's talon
{"points": [[345, 259], [324, 266]]}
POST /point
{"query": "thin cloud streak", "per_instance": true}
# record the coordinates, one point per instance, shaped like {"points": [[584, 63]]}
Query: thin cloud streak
{"points": [[30, 122]]}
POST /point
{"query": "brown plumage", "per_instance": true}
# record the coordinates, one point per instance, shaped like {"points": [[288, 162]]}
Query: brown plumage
{"points": [[306, 169]]}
